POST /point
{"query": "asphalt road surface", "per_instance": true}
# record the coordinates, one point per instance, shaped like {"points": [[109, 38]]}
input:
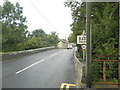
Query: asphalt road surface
{"points": [[47, 69]]}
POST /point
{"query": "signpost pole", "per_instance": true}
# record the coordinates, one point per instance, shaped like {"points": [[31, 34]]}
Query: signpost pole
{"points": [[83, 48], [83, 55]]}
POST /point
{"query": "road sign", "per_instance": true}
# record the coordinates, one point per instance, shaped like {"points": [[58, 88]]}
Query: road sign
{"points": [[81, 39], [83, 47]]}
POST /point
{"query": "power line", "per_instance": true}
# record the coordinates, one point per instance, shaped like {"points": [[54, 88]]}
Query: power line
{"points": [[42, 14]]}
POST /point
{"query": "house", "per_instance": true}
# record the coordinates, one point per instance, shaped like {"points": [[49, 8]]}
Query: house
{"points": [[62, 44]]}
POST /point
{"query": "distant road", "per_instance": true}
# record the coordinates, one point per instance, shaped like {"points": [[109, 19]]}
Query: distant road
{"points": [[47, 69]]}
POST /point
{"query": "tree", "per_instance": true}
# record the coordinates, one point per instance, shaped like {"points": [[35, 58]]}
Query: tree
{"points": [[71, 38], [79, 21], [104, 29], [39, 33], [53, 38], [104, 24], [38, 39], [13, 26], [14, 31]]}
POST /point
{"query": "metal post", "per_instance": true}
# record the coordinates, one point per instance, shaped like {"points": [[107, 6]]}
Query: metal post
{"points": [[83, 55], [91, 37], [88, 57]]}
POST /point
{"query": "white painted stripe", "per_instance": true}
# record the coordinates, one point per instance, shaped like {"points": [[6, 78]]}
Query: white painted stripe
{"points": [[53, 55], [29, 66], [36, 63]]}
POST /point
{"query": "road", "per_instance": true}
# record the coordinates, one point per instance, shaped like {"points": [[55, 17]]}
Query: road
{"points": [[47, 69]]}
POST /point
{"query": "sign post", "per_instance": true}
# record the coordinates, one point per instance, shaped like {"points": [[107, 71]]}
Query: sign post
{"points": [[81, 39], [83, 48]]}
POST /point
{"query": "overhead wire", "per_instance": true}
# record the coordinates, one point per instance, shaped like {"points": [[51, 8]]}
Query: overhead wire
{"points": [[42, 15]]}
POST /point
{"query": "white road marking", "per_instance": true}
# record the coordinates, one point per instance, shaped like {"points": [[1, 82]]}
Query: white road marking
{"points": [[53, 54], [29, 66], [36, 63]]}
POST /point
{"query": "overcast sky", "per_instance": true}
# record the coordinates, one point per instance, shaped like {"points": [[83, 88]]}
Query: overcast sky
{"points": [[49, 12]]}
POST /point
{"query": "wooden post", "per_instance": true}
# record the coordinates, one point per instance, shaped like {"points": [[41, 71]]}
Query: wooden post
{"points": [[104, 71], [119, 45], [88, 43]]}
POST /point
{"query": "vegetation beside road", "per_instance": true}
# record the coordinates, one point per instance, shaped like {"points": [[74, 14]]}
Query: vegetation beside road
{"points": [[105, 33], [15, 35]]}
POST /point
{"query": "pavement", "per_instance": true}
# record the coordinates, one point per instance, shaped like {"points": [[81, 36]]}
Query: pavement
{"points": [[47, 69]]}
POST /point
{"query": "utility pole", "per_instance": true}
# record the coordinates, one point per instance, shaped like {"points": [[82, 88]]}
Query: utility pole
{"points": [[88, 57], [119, 44]]}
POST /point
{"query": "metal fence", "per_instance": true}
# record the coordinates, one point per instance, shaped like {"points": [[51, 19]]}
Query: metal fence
{"points": [[105, 70]]}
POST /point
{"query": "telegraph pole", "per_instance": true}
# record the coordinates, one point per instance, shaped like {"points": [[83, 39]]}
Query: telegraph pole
{"points": [[88, 57], [119, 44]]}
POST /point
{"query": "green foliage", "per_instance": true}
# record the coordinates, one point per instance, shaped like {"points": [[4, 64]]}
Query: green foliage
{"points": [[105, 28], [13, 27], [39, 33], [71, 38], [53, 38], [14, 31], [104, 31], [39, 39], [78, 16], [104, 25]]}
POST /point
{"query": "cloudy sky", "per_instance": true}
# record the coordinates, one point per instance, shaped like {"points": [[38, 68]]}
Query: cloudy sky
{"points": [[49, 15]]}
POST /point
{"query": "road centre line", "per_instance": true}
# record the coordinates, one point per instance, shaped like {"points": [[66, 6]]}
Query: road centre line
{"points": [[53, 54], [29, 66], [35, 63]]}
